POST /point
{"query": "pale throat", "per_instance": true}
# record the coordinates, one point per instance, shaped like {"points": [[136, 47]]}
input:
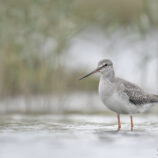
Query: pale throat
{"points": [[108, 75]]}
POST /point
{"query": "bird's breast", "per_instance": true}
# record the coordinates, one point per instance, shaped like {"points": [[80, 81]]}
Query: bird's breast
{"points": [[106, 89], [112, 98]]}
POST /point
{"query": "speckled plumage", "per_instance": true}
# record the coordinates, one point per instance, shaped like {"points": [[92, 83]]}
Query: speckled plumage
{"points": [[136, 95]]}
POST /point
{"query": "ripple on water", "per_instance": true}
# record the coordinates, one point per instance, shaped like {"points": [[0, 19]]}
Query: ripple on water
{"points": [[79, 135]]}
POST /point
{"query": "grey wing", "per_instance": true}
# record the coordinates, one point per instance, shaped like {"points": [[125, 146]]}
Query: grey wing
{"points": [[136, 95]]}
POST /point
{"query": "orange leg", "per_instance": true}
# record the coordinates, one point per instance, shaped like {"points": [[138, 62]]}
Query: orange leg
{"points": [[131, 118], [119, 122]]}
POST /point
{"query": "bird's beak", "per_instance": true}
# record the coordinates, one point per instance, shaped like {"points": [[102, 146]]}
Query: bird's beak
{"points": [[91, 73]]}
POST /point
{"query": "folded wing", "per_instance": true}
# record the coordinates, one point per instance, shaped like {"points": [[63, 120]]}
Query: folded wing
{"points": [[136, 95]]}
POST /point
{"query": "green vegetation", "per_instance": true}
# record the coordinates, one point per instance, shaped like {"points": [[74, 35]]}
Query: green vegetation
{"points": [[27, 66]]}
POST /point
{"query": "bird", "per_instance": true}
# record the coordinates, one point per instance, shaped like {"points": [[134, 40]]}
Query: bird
{"points": [[119, 95]]}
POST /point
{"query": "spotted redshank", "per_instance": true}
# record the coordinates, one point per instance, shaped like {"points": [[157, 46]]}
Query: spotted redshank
{"points": [[120, 95]]}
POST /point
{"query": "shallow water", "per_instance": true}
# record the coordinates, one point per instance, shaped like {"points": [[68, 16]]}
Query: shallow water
{"points": [[23, 136]]}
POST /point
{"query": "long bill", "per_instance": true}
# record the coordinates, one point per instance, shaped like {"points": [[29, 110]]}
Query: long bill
{"points": [[93, 72]]}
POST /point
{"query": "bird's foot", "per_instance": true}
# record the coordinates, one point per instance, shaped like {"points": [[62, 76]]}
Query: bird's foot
{"points": [[118, 129]]}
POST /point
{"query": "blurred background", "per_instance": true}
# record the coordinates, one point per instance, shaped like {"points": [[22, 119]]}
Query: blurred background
{"points": [[47, 45]]}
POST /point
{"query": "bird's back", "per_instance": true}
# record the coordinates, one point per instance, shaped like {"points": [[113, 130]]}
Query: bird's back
{"points": [[137, 95]]}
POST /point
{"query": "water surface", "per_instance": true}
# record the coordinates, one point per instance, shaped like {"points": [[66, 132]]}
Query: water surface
{"points": [[39, 136]]}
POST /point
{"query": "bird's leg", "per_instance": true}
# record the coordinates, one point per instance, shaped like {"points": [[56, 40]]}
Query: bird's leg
{"points": [[119, 122], [131, 118]]}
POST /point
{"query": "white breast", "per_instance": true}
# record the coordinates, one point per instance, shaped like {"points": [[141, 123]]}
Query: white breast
{"points": [[106, 88], [114, 99]]}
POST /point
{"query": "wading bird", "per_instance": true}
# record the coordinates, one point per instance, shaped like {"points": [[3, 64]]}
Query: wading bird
{"points": [[120, 95]]}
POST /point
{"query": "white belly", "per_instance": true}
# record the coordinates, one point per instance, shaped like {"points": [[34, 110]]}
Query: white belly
{"points": [[113, 96], [114, 100], [119, 105]]}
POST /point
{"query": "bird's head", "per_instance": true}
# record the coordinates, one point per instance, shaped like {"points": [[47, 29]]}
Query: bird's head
{"points": [[105, 67]]}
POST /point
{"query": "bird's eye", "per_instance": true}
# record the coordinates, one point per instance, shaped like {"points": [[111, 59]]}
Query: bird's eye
{"points": [[105, 65]]}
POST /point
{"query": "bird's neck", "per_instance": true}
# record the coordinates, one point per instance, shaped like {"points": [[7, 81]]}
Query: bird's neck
{"points": [[109, 76]]}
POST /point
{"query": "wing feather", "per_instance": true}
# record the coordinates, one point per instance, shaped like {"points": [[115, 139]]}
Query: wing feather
{"points": [[136, 95]]}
